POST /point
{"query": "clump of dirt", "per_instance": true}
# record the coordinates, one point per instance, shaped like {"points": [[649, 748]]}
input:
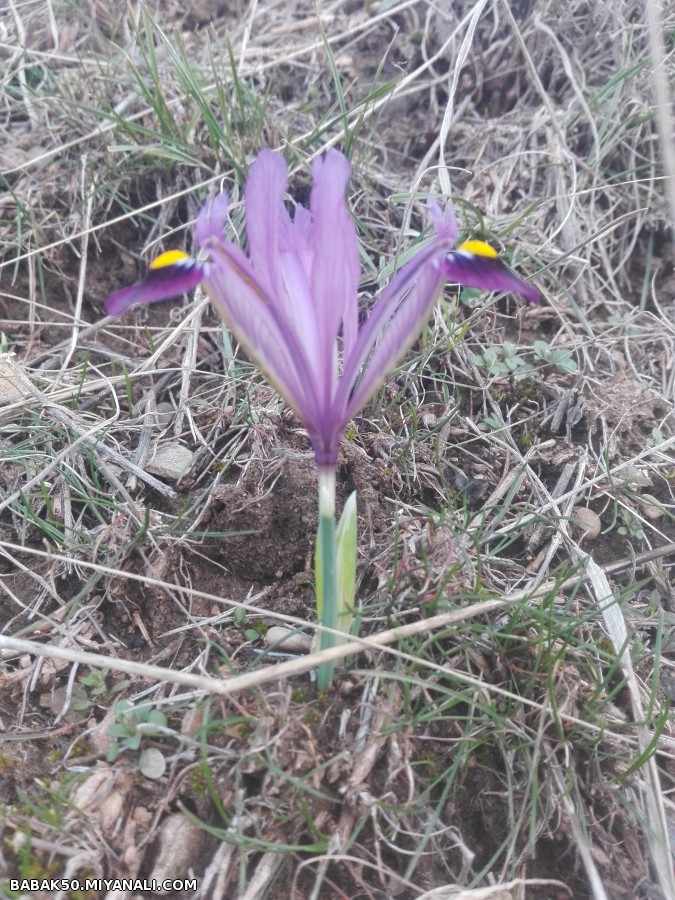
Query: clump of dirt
{"points": [[268, 517], [276, 518], [629, 407]]}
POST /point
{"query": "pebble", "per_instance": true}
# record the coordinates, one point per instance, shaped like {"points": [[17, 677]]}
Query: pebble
{"points": [[289, 641], [588, 521], [171, 461]]}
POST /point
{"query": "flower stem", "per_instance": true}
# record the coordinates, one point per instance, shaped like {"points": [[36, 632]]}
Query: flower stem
{"points": [[326, 571]]}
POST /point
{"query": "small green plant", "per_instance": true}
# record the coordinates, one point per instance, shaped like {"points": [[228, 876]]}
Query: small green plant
{"points": [[632, 526], [254, 631], [133, 723], [505, 359], [559, 359], [656, 437], [490, 423], [502, 360], [96, 683]]}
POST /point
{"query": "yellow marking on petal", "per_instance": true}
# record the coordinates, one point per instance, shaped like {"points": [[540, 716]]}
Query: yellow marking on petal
{"points": [[479, 248], [169, 258]]}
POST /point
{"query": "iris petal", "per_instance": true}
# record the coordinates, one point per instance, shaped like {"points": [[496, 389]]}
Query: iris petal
{"points": [[444, 223], [336, 266], [211, 219], [160, 283], [394, 321], [266, 216], [272, 343], [485, 273]]}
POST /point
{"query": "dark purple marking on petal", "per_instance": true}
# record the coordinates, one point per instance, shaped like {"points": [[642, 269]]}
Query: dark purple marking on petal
{"points": [[486, 273], [159, 284]]}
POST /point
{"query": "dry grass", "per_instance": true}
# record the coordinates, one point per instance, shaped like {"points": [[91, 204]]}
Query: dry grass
{"points": [[502, 728]]}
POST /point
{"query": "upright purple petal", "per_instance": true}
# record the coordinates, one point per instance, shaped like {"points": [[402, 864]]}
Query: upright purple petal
{"points": [[297, 236], [336, 267], [281, 252], [298, 306], [211, 219], [266, 215], [445, 223], [260, 326]]}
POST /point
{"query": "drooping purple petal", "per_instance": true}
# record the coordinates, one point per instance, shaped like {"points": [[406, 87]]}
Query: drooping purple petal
{"points": [[395, 320], [487, 273], [159, 284]]}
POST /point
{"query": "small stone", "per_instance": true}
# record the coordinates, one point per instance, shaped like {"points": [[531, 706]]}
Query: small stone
{"points": [[56, 699], [165, 413], [13, 382], [152, 764], [651, 508], [192, 721], [170, 461], [588, 521], [104, 797], [178, 846], [280, 638]]}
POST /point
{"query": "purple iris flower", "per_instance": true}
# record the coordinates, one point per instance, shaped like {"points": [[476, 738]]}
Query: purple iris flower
{"points": [[293, 301]]}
